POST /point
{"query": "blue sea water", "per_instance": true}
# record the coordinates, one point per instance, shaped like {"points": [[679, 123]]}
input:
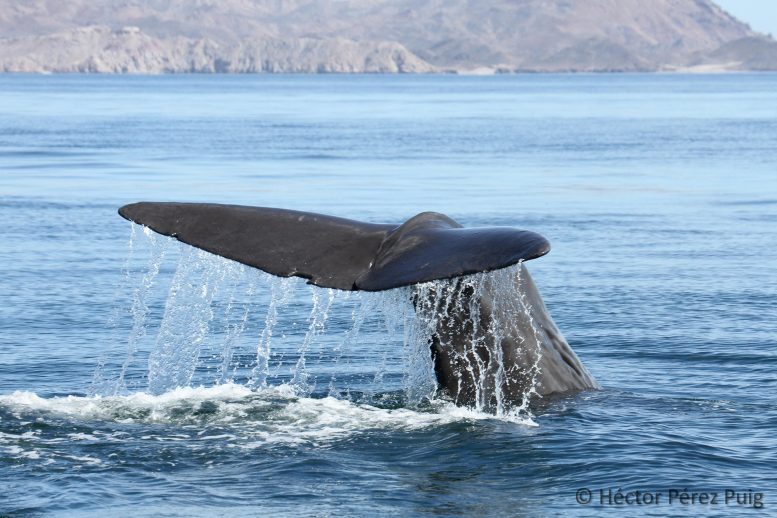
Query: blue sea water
{"points": [[657, 192]]}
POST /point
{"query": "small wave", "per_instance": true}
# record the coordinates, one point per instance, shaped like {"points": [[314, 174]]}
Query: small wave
{"points": [[239, 414]]}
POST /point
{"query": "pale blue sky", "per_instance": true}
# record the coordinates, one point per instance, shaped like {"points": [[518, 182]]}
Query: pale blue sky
{"points": [[760, 14]]}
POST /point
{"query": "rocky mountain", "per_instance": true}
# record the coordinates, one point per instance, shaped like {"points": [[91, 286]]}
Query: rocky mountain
{"points": [[415, 36], [755, 53]]}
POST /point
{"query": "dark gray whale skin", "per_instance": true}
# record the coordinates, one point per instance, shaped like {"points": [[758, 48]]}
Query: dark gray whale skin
{"points": [[525, 345], [351, 255]]}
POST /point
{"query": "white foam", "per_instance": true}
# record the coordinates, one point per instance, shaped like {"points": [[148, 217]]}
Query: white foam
{"points": [[88, 460], [152, 407], [82, 437], [254, 417]]}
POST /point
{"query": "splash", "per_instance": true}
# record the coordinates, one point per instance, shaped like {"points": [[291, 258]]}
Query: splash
{"points": [[235, 416], [482, 326], [138, 306], [186, 322], [355, 346]]}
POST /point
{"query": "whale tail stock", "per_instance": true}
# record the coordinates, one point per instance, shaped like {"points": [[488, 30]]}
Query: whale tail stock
{"points": [[340, 253]]}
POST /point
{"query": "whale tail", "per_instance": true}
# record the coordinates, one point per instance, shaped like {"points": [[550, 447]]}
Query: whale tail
{"points": [[340, 253]]}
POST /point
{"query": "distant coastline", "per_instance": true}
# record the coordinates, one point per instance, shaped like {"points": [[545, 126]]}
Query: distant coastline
{"points": [[451, 73], [379, 36]]}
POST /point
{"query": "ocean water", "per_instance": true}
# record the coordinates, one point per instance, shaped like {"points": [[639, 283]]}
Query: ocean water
{"points": [[141, 377]]}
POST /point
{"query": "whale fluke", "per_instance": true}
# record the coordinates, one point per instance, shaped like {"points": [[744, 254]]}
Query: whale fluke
{"points": [[340, 253], [493, 343]]}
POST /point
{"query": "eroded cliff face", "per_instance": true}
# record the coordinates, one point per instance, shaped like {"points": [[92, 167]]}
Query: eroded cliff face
{"points": [[102, 50], [412, 36]]}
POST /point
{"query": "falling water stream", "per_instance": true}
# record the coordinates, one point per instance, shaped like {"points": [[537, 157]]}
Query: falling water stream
{"points": [[225, 323]]}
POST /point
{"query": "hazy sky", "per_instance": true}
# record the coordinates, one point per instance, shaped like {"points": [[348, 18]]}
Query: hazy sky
{"points": [[760, 14]]}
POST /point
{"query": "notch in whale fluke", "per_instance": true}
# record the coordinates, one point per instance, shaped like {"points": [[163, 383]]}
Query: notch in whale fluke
{"points": [[340, 253]]}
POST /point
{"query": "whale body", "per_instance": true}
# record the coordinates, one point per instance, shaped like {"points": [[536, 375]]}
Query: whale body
{"points": [[494, 344]]}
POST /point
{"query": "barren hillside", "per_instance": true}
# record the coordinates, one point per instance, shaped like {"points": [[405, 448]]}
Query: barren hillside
{"points": [[156, 36]]}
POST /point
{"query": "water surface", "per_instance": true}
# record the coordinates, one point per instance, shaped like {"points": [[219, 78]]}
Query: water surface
{"points": [[657, 192]]}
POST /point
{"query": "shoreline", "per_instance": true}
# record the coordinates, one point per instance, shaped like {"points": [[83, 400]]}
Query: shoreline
{"points": [[700, 70]]}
